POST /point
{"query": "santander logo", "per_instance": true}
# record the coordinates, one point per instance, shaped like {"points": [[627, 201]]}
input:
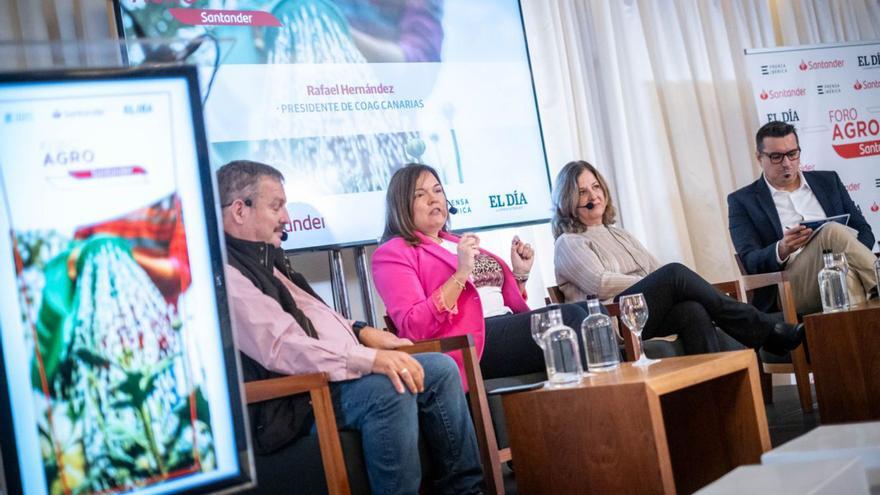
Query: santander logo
{"points": [[213, 17], [875, 207], [821, 64], [782, 93], [860, 85]]}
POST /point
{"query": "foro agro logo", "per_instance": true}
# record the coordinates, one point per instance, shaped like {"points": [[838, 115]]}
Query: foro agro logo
{"points": [[63, 163], [852, 136], [65, 157]]}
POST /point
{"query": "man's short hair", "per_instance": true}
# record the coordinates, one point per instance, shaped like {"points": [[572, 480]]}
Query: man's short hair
{"points": [[239, 179], [776, 129]]}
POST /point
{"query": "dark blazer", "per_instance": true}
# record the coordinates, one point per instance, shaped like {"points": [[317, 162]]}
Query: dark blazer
{"points": [[755, 226]]}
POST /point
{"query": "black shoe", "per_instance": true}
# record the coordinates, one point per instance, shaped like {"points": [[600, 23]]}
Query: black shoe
{"points": [[784, 338]]}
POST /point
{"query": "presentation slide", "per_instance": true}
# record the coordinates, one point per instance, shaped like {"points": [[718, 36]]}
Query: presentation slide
{"points": [[338, 95], [114, 349]]}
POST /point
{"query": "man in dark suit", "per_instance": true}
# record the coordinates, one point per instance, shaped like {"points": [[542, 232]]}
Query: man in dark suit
{"points": [[765, 223]]}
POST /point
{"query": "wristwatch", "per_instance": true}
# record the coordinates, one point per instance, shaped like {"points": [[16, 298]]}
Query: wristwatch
{"points": [[357, 326]]}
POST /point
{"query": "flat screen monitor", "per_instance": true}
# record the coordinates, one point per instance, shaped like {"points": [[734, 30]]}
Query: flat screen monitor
{"points": [[119, 373], [339, 94]]}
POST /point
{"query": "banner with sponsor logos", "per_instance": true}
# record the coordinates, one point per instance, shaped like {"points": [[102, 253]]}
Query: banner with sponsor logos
{"points": [[831, 94], [340, 94]]}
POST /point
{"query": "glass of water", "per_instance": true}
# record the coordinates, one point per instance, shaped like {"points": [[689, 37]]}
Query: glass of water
{"points": [[600, 341], [561, 350], [839, 260], [634, 314]]}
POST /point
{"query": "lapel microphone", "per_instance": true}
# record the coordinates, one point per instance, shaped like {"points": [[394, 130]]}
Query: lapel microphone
{"points": [[452, 209]]}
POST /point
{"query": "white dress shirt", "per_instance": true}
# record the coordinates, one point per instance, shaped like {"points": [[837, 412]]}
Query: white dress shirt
{"points": [[795, 207]]}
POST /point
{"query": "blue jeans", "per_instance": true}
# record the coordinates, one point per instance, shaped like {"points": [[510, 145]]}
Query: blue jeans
{"points": [[390, 424]]}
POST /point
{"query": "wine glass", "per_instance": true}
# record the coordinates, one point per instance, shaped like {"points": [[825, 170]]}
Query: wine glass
{"points": [[539, 326], [541, 321], [634, 314]]}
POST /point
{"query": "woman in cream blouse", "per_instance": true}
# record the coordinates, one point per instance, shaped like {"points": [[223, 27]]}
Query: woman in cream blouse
{"points": [[592, 256]]}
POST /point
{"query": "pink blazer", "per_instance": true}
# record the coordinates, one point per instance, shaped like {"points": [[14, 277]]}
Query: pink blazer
{"points": [[406, 277]]}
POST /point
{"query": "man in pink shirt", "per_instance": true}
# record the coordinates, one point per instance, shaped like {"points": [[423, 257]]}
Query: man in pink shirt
{"points": [[284, 328]]}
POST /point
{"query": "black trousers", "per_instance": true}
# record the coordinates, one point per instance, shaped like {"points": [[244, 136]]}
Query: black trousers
{"points": [[681, 302], [510, 349]]}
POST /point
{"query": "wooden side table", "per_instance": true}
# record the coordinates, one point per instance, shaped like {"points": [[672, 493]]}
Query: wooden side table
{"points": [[672, 427], [845, 355]]}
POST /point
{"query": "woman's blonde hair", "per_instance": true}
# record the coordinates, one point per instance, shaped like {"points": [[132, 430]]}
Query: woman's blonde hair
{"points": [[566, 199]]}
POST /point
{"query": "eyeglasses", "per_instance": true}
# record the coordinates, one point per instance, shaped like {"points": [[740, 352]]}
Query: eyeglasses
{"points": [[776, 158]]}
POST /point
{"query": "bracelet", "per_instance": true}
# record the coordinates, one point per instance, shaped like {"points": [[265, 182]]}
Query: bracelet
{"points": [[521, 278], [458, 282]]}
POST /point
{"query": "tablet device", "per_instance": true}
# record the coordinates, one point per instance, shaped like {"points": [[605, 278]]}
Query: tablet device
{"points": [[815, 224]]}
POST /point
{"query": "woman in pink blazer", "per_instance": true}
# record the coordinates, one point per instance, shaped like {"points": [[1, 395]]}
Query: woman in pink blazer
{"points": [[436, 284]]}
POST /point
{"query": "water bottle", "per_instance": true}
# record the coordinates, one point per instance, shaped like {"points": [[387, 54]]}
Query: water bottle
{"points": [[599, 339], [832, 285], [564, 363]]}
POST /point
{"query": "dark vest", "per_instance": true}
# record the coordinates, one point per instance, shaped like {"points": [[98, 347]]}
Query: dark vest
{"points": [[277, 422]]}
